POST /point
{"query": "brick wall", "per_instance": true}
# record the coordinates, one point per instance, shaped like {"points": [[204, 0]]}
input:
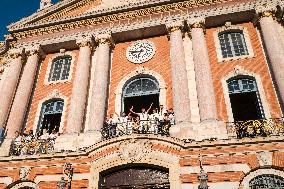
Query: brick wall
{"points": [[121, 67], [257, 65], [42, 91]]}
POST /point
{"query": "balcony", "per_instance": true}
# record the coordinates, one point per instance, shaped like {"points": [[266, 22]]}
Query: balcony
{"points": [[256, 128], [145, 127], [23, 146]]}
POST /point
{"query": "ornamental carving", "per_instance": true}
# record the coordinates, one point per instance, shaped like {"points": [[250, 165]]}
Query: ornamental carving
{"points": [[264, 158], [25, 172], [54, 94], [134, 150]]}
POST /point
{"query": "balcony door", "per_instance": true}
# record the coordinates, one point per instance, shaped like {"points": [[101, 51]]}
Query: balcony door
{"points": [[245, 100]]}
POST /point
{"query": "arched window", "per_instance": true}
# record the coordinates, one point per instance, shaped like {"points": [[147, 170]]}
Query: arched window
{"points": [[50, 116], [267, 181], [245, 100], [60, 68], [141, 86], [233, 43], [140, 93]]}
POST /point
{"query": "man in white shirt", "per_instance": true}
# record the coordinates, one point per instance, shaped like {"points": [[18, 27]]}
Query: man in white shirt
{"points": [[144, 118], [154, 119]]}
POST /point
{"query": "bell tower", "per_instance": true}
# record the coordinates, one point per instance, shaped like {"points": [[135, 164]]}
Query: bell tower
{"points": [[45, 3]]}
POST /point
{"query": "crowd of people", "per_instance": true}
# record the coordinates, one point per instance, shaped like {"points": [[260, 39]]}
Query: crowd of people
{"points": [[158, 121], [29, 144]]}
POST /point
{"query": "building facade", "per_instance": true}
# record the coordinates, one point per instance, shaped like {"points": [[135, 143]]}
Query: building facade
{"points": [[70, 70]]}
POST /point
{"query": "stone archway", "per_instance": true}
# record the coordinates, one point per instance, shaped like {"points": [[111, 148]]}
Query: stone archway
{"points": [[23, 185], [137, 151]]}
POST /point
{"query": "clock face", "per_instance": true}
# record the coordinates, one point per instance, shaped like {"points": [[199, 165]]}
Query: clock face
{"points": [[140, 51]]}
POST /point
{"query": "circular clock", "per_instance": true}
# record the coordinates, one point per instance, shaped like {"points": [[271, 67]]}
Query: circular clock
{"points": [[140, 51]]}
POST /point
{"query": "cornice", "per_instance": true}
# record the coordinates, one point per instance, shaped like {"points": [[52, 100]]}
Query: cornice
{"points": [[143, 7]]}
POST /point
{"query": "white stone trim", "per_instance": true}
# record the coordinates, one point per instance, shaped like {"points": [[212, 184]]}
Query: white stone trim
{"points": [[25, 184], [246, 38], [219, 185], [216, 168], [136, 72], [48, 178], [154, 158], [50, 61], [245, 183], [238, 70], [6, 180], [53, 94]]}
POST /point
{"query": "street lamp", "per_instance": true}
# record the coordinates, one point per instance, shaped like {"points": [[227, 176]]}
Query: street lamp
{"points": [[203, 177]]}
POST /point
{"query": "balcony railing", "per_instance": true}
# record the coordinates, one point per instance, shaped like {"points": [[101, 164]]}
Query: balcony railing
{"points": [[31, 147], [256, 128], [144, 127]]}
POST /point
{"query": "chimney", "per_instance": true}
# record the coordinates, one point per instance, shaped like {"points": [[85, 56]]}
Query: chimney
{"points": [[45, 3]]}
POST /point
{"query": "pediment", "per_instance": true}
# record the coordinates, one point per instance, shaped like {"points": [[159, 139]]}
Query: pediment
{"points": [[72, 9]]}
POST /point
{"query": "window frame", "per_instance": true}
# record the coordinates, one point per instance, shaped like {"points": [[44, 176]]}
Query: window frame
{"points": [[233, 29], [52, 59]]}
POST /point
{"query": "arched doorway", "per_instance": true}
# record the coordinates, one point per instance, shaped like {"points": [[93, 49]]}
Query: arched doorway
{"points": [[267, 181], [135, 176], [244, 98], [140, 92], [50, 116]]}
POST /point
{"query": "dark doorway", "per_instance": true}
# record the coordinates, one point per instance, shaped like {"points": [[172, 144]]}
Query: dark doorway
{"points": [[245, 106], [135, 177], [139, 102], [51, 122]]}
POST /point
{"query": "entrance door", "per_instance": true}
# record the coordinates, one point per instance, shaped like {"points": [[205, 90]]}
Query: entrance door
{"points": [[245, 101], [135, 177], [140, 93]]}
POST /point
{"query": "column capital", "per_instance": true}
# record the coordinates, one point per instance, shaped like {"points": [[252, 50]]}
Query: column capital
{"points": [[196, 23], [15, 53], [174, 26], [85, 41], [266, 10], [34, 49], [104, 38]]}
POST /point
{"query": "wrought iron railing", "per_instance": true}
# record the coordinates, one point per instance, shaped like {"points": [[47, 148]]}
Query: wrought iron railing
{"points": [[256, 128], [31, 147], [145, 127]]}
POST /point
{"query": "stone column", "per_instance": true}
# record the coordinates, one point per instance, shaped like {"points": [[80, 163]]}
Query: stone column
{"points": [[23, 92], [275, 50], [10, 83], [204, 81], [101, 83], [179, 75], [210, 127], [80, 87]]}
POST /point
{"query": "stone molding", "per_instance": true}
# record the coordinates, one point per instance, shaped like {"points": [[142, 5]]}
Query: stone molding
{"points": [[265, 158], [25, 184], [245, 182], [238, 70], [228, 27], [25, 172], [134, 150], [238, 7]]}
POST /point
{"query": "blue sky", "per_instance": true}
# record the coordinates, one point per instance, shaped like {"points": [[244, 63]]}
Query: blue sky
{"points": [[14, 10]]}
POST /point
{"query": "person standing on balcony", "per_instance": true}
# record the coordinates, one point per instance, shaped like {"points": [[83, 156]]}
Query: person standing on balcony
{"points": [[154, 121], [144, 117]]}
